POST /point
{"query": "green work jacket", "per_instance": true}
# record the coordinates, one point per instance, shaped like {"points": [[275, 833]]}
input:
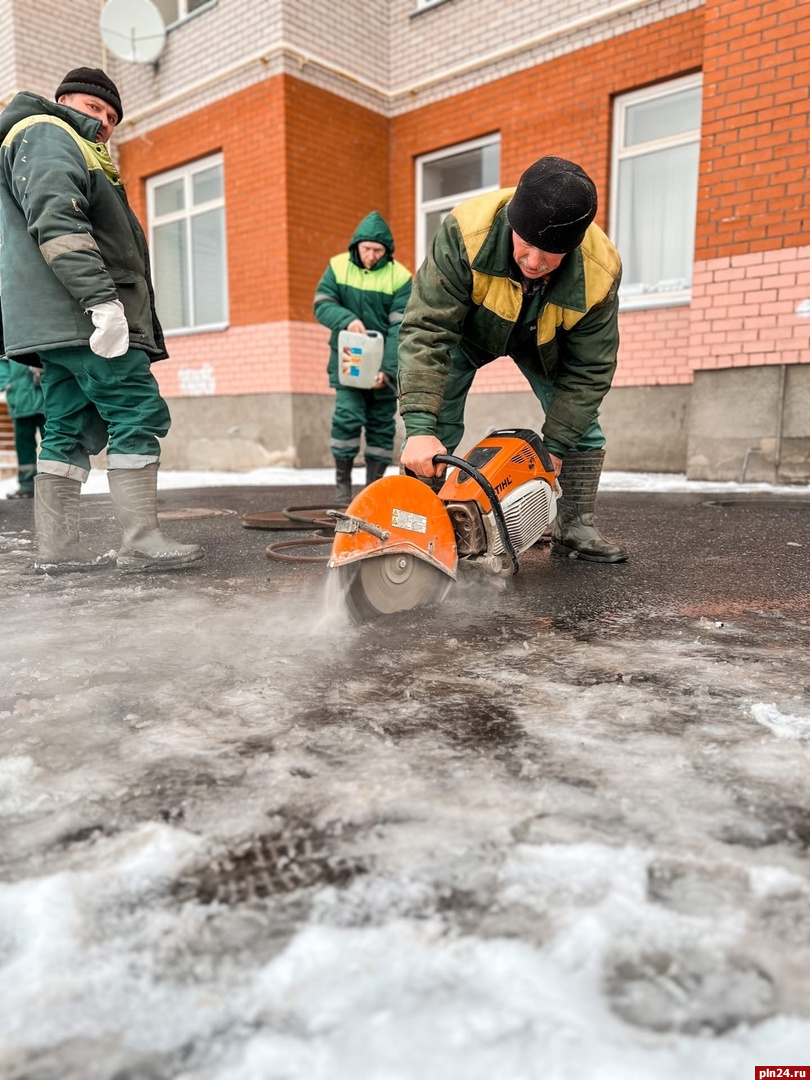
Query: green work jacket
{"points": [[378, 297], [467, 295], [70, 239]]}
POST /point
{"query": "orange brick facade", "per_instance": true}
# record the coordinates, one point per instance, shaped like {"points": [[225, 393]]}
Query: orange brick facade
{"points": [[301, 169]]}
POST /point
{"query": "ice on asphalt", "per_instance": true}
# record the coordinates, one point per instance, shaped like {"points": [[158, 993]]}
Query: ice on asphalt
{"points": [[493, 929]]}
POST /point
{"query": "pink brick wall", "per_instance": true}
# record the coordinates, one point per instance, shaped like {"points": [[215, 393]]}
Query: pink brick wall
{"points": [[265, 358], [746, 309], [654, 347]]}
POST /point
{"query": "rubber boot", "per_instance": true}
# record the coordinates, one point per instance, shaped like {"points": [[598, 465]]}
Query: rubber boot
{"points": [[343, 478], [144, 547], [575, 536], [56, 512], [375, 470]]}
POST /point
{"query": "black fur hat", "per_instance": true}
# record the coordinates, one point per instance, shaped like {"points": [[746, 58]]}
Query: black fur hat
{"points": [[91, 81], [553, 205]]}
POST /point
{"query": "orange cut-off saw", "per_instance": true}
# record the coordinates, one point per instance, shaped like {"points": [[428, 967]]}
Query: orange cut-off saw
{"points": [[398, 544]]}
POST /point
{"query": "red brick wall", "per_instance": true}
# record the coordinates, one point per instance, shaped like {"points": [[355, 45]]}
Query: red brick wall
{"points": [[302, 166], [337, 172], [248, 128], [755, 154], [563, 107], [752, 257]]}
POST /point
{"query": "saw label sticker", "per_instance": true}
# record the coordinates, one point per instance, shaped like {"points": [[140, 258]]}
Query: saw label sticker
{"points": [[412, 522]]}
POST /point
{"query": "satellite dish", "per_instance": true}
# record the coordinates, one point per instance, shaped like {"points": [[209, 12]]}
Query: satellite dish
{"points": [[133, 30]]}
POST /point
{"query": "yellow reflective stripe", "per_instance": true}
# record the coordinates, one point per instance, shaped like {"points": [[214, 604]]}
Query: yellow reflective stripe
{"points": [[387, 280], [401, 275], [96, 155], [61, 245], [499, 295], [475, 217]]}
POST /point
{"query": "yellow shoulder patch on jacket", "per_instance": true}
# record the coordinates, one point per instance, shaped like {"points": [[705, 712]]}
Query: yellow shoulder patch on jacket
{"points": [[475, 216], [387, 280], [96, 155], [601, 262]]}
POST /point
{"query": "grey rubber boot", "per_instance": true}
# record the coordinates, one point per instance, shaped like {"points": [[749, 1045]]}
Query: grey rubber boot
{"points": [[575, 536], [343, 480], [56, 512], [144, 547], [375, 470]]}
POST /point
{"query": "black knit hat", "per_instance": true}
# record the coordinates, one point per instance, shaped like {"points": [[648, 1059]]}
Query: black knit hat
{"points": [[91, 81], [553, 205]]}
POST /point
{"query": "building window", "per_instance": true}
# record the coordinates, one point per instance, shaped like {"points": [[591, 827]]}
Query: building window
{"points": [[175, 10], [186, 210], [447, 177], [656, 148]]}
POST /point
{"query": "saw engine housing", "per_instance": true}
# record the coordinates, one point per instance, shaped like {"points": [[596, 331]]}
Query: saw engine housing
{"points": [[518, 468], [496, 503]]}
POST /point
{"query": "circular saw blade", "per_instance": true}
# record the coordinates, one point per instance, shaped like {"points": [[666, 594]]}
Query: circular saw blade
{"points": [[385, 584]]}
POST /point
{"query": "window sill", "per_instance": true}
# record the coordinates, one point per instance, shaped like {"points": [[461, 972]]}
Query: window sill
{"points": [[427, 7], [185, 331], [652, 301], [193, 15]]}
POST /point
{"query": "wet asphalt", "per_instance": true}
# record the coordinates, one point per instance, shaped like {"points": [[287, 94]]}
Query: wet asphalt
{"points": [[691, 555], [657, 707]]}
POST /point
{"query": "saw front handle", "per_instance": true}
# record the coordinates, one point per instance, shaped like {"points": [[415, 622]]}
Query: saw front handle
{"points": [[494, 501]]}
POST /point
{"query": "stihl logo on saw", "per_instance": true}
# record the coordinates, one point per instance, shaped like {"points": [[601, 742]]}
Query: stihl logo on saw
{"points": [[495, 504]]}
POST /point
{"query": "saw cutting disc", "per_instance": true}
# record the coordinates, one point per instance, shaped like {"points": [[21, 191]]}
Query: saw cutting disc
{"points": [[388, 583]]}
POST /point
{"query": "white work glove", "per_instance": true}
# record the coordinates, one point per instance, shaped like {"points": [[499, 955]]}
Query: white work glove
{"points": [[111, 335]]}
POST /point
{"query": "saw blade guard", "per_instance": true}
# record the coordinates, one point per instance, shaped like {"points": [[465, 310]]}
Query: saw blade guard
{"points": [[405, 516]]}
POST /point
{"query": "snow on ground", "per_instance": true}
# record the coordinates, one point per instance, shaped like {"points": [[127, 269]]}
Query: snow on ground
{"points": [[243, 840], [280, 476]]}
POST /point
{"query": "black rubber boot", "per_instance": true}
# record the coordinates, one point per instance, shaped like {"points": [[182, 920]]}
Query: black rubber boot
{"points": [[56, 512], [575, 536], [144, 546], [343, 480], [375, 470]]}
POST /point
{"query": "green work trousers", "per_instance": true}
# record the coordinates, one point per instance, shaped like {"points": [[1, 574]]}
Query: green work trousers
{"points": [[450, 426], [374, 410], [92, 402], [25, 445]]}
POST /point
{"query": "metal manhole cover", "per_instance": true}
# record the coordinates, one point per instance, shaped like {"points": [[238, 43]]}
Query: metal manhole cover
{"points": [[183, 513]]}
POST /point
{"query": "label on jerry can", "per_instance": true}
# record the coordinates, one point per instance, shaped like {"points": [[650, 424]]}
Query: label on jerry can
{"points": [[359, 358]]}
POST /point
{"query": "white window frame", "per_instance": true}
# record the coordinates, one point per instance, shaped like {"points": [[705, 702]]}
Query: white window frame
{"points": [[183, 13], [190, 210], [622, 153], [425, 207]]}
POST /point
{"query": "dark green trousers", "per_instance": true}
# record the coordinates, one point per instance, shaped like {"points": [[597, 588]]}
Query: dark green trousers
{"points": [[25, 445], [92, 402], [372, 410], [450, 426]]}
